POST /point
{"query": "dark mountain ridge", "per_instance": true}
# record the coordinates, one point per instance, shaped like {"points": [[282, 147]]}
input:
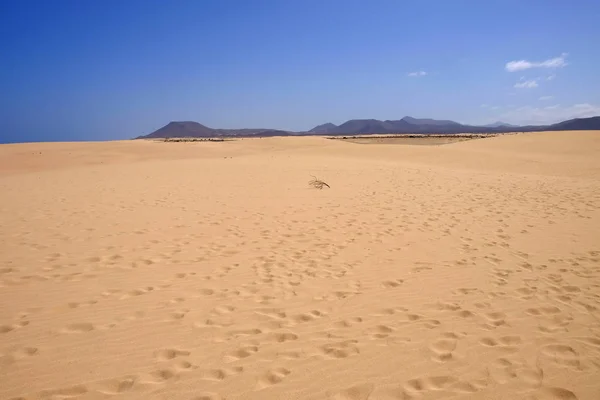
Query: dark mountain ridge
{"points": [[369, 126]]}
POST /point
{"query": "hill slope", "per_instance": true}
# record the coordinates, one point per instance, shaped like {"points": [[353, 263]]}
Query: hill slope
{"points": [[577, 124], [325, 128], [181, 129]]}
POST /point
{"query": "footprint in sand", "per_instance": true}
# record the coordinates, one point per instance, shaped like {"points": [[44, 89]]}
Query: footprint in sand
{"points": [[222, 310], [182, 275], [465, 314], [494, 320], [243, 352], [162, 375], [431, 323], [526, 292], [443, 348], [340, 349], [553, 393], [220, 374], [212, 324], [347, 323], [307, 317], [137, 292], [556, 324], [281, 337], [272, 377], [244, 332], [80, 327], [184, 365], [467, 291], [547, 310], [356, 392], [464, 387], [392, 283], [505, 369], [6, 328], [16, 354], [169, 354], [507, 344], [562, 354], [381, 331], [179, 314], [65, 393], [118, 385], [176, 300], [415, 387], [389, 311], [272, 313], [446, 306]]}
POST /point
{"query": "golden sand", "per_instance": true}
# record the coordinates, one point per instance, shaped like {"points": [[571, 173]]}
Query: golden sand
{"points": [[152, 270]]}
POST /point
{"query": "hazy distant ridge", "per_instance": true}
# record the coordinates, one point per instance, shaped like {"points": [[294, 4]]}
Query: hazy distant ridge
{"points": [[370, 126]]}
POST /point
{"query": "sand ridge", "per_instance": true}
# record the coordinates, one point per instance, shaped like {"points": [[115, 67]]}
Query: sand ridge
{"points": [[212, 270]]}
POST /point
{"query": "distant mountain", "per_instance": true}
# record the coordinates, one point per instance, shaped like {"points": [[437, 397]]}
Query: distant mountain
{"points": [[325, 128], [428, 121], [404, 125], [196, 130], [499, 124], [355, 126], [363, 126], [181, 129], [371, 126], [577, 124]]}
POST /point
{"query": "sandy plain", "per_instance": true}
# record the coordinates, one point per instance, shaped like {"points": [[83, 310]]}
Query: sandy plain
{"points": [[211, 270]]}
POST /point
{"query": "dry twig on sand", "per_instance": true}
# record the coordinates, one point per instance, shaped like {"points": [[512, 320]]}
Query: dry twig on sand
{"points": [[317, 183]]}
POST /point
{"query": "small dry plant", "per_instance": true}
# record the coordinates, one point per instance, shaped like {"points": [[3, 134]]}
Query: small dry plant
{"points": [[317, 183]]}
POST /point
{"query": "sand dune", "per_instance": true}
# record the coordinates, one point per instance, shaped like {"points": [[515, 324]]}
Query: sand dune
{"points": [[151, 270]]}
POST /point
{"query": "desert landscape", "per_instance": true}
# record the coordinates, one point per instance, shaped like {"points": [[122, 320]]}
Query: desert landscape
{"points": [[214, 270]]}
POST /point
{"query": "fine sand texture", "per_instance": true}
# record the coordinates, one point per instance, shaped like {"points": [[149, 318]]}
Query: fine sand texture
{"points": [[212, 270]]}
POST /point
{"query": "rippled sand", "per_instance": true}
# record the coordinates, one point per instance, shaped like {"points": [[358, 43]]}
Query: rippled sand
{"points": [[152, 270]]}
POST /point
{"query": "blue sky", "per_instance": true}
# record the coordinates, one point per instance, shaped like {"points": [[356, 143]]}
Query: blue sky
{"points": [[115, 69]]}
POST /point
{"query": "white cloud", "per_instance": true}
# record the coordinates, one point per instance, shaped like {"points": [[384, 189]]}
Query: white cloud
{"points": [[417, 73], [530, 115], [546, 98], [526, 84], [489, 107], [519, 65], [551, 77]]}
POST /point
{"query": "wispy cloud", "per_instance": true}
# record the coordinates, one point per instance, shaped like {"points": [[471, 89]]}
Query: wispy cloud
{"points": [[550, 114], [417, 74], [546, 98], [526, 84], [551, 77], [519, 65]]}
